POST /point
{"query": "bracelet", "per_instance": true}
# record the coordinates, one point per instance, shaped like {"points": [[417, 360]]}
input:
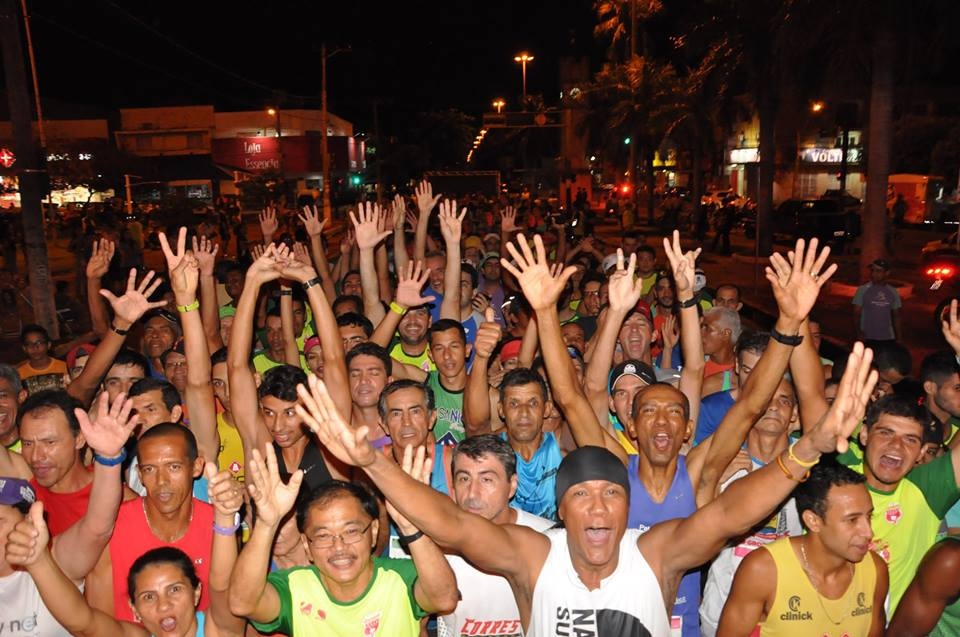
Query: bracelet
{"points": [[312, 282], [183, 309], [802, 463], [396, 307], [285, 293], [226, 530], [783, 339], [118, 331], [407, 540], [787, 473], [111, 462], [691, 302]]}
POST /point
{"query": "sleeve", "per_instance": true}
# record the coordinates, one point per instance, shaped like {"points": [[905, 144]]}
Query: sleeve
{"points": [[858, 296], [897, 303], [937, 482], [283, 623], [408, 573]]}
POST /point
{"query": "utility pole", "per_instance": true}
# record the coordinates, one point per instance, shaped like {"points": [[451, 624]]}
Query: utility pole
{"points": [[32, 172], [632, 169], [376, 140], [324, 144]]}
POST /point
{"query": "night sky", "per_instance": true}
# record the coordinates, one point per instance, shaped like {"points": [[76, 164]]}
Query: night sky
{"points": [[408, 55]]}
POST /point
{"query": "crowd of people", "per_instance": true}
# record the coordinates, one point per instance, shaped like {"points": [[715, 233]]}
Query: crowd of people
{"points": [[468, 423]]}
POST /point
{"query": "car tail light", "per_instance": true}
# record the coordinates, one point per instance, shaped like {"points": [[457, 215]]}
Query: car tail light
{"points": [[940, 271]]}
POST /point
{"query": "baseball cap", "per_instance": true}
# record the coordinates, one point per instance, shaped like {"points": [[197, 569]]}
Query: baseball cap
{"points": [[164, 314], [608, 262], [510, 349], [226, 310], [84, 349], [636, 368], [14, 491], [880, 264], [699, 280], [473, 241], [310, 343], [642, 307], [491, 236], [493, 254]]}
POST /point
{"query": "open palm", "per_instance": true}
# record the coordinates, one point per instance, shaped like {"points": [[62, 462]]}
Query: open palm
{"points": [[321, 415], [368, 226], [273, 497], [411, 283], [134, 304], [111, 427], [624, 291], [541, 286], [797, 280]]}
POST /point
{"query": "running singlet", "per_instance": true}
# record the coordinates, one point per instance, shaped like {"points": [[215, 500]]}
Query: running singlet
{"points": [[22, 611], [784, 523], [906, 521], [62, 509], [230, 457], [629, 602], [712, 410], [422, 361], [133, 537], [448, 429], [680, 502], [487, 606], [386, 608], [798, 610], [536, 479]]}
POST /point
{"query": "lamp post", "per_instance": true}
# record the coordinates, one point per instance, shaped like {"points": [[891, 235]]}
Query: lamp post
{"points": [[275, 113], [499, 104], [523, 57]]}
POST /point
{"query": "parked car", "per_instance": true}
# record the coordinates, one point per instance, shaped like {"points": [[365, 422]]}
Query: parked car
{"points": [[847, 201], [821, 218]]}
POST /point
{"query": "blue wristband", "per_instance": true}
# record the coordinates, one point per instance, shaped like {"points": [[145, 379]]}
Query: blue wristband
{"points": [[111, 462]]}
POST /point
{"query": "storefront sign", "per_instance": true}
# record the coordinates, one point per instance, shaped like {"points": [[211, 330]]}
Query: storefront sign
{"points": [[744, 156], [829, 155], [253, 154]]}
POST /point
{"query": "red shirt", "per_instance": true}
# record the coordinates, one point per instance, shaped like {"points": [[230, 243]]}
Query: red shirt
{"points": [[62, 509], [710, 368], [132, 537]]}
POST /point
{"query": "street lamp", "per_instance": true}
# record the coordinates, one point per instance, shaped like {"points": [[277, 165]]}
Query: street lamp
{"points": [[499, 104], [523, 57], [817, 106], [274, 112]]}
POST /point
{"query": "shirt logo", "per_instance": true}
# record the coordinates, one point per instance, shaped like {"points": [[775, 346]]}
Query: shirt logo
{"points": [[794, 613], [371, 624], [862, 608], [893, 513]]}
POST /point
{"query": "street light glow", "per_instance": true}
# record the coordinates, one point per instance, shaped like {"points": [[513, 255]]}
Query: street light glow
{"points": [[271, 111], [817, 106], [523, 57], [499, 104]]}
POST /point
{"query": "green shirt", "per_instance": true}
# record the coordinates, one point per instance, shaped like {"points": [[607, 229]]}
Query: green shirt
{"points": [[906, 520], [423, 361], [386, 607], [449, 429]]}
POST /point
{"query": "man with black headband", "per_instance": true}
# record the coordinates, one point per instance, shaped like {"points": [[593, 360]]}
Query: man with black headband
{"points": [[594, 576]]}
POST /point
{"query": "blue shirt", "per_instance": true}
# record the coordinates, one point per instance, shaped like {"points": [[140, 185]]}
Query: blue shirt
{"points": [[536, 479], [712, 410]]}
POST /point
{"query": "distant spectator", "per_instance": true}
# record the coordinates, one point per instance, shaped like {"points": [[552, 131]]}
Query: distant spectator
{"points": [[40, 370]]}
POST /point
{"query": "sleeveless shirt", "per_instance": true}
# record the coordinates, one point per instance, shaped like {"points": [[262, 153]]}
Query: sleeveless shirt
{"points": [[629, 603], [798, 610], [536, 478], [680, 502]]}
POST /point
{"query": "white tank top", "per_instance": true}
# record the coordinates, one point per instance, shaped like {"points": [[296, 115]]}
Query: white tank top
{"points": [[487, 606], [22, 612], [629, 603]]}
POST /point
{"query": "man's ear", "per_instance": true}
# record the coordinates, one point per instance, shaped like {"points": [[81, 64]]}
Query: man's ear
{"points": [[864, 434], [22, 396], [812, 521], [176, 414], [513, 486], [929, 387], [257, 378], [198, 466]]}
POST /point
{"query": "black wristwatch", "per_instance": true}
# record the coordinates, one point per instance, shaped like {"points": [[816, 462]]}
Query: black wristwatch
{"points": [[791, 341], [407, 540], [691, 302]]}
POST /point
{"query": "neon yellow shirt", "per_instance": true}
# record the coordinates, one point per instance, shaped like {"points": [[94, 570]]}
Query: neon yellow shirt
{"points": [[230, 457], [906, 521], [386, 608]]}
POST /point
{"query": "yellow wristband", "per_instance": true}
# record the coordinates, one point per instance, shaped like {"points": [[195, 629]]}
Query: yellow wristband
{"points": [[183, 309], [396, 307], [805, 465], [787, 473]]}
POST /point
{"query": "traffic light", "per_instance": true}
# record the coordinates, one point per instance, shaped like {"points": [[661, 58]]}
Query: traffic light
{"points": [[626, 141], [355, 180], [625, 189]]}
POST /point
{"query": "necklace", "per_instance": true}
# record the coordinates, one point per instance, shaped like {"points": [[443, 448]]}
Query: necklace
{"points": [[143, 503], [808, 571]]}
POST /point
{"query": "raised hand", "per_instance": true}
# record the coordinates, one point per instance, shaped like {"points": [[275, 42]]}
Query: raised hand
{"points": [[450, 223], [320, 414], [185, 274], [671, 335], [423, 195], [951, 327], [273, 498], [398, 211], [412, 219], [624, 291], [489, 334], [410, 284], [110, 429], [301, 254], [848, 408], [418, 465], [368, 226], [205, 252], [796, 283], [312, 222], [174, 257], [265, 268], [28, 539], [508, 220], [134, 304], [480, 302], [268, 223], [541, 287], [99, 261], [225, 493], [347, 242], [683, 264], [298, 266]]}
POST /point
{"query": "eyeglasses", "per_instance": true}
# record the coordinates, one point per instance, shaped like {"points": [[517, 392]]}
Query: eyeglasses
{"points": [[348, 536]]}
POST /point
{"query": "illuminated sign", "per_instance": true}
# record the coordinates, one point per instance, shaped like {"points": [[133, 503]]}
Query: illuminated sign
{"points": [[744, 156], [7, 158], [66, 156], [829, 155]]}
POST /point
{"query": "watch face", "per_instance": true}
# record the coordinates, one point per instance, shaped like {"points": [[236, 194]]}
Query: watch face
{"points": [[699, 281]]}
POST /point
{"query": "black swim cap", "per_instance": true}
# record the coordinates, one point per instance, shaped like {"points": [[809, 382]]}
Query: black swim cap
{"points": [[590, 463]]}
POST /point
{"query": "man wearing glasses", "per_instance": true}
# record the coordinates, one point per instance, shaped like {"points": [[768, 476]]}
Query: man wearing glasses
{"points": [[346, 591]]}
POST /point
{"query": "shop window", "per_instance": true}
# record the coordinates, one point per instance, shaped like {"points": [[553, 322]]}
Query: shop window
{"points": [[807, 186]]}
